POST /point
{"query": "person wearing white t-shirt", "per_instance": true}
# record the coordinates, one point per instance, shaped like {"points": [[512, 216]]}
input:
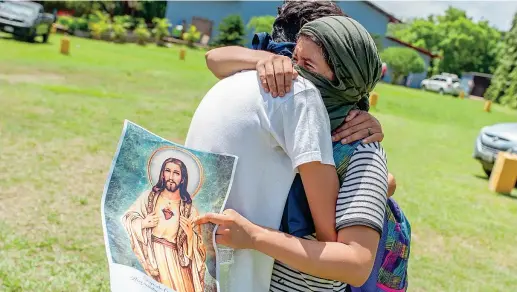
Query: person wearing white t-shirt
{"points": [[273, 139]]}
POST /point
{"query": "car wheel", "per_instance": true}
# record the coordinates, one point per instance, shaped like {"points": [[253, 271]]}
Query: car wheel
{"points": [[30, 38], [423, 88], [45, 37], [441, 92]]}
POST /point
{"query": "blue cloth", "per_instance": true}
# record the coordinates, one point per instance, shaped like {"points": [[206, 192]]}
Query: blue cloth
{"points": [[262, 41]]}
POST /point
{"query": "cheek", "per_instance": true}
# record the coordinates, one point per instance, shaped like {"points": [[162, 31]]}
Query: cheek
{"points": [[330, 75]]}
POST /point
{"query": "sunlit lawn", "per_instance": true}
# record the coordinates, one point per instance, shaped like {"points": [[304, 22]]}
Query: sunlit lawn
{"points": [[61, 117]]}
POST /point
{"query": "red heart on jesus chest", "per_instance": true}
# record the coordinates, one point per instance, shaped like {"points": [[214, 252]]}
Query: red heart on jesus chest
{"points": [[167, 213]]}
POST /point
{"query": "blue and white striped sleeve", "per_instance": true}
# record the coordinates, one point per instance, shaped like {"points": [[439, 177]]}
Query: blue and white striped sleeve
{"points": [[363, 194]]}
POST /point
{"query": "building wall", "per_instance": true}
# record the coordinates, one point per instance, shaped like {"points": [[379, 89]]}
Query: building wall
{"points": [[415, 78], [374, 21]]}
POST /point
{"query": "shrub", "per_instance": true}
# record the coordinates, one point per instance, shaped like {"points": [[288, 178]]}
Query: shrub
{"points": [[66, 21], [81, 23], [120, 26], [161, 29], [231, 32], [99, 23], [192, 35], [142, 32]]}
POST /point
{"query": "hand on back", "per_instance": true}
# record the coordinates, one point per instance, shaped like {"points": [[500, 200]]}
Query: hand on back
{"points": [[276, 74], [359, 125]]}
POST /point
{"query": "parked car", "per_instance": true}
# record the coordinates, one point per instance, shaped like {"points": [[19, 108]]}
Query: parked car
{"points": [[25, 20], [493, 139], [444, 84]]}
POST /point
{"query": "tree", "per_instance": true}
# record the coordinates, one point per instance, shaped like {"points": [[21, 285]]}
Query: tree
{"points": [[465, 45], [261, 23], [231, 31], [377, 38], [402, 61], [503, 88]]}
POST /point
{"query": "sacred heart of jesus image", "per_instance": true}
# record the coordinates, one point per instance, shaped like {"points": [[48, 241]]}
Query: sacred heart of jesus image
{"points": [[159, 223]]}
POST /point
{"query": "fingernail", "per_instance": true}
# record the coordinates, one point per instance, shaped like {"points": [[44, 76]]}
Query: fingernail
{"points": [[334, 139], [282, 94], [343, 141]]}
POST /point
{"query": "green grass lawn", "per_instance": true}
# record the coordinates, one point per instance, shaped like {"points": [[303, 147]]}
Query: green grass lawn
{"points": [[60, 121]]}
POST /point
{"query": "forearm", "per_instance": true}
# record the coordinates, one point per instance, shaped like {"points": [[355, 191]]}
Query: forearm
{"points": [[323, 211], [348, 263], [225, 61], [321, 186]]}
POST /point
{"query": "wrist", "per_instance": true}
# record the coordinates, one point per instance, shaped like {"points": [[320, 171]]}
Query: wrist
{"points": [[257, 235], [260, 55]]}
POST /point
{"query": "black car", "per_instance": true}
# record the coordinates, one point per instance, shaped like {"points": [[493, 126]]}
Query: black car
{"points": [[25, 20]]}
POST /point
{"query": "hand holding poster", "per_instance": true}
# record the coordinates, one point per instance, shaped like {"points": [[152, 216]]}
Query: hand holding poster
{"points": [[154, 191]]}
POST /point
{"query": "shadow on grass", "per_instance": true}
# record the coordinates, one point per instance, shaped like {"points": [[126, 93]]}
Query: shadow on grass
{"points": [[38, 40], [509, 196], [483, 177]]}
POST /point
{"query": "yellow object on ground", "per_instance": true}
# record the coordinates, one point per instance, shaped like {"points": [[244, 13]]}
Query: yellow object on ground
{"points": [[182, 54], [488, 104], [374, 97], [462, 94], [65, 46], [504, 174]]}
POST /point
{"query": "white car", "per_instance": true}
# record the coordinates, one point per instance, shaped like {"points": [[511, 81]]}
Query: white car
{"points": [[493, 139], [443, 84]]}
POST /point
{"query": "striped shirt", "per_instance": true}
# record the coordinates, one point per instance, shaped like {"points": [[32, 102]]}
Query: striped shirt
{"points": [[361, 201]]}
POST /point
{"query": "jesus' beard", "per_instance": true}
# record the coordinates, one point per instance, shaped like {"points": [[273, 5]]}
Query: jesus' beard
{"points": [[171, 186]]}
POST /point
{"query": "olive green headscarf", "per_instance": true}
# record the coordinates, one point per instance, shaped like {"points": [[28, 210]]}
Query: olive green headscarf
{"points": [[355, 62]]}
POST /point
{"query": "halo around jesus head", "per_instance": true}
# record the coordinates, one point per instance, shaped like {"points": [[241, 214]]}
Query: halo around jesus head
{"points": [[192, 163]]}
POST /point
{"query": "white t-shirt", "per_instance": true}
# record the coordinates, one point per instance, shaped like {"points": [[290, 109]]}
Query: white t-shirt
{"points": [[271, 137]]}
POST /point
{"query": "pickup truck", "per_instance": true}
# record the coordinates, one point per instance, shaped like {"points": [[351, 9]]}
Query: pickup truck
{"points": [[25, 20]]}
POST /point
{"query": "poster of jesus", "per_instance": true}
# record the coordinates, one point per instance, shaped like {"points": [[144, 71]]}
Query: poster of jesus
{"points": [[155, 190]]}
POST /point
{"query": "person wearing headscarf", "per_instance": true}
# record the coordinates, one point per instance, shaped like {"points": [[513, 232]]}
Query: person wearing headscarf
{"points": [[339, 57]]}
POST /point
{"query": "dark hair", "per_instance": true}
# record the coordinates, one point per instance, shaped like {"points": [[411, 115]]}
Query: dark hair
{"points": [[160, 185], [292, 15]]}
